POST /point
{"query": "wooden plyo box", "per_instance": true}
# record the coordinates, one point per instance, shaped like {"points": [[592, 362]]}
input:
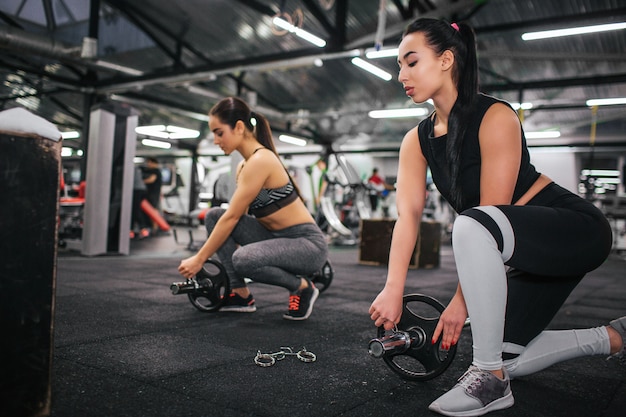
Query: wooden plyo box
{"points": [[376, 242]]}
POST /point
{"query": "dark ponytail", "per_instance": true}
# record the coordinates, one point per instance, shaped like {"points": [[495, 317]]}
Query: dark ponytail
{"points": [[459, 38]]}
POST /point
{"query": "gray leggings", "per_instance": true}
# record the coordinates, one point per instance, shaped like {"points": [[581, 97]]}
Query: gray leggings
{"points": [[278, 257]]}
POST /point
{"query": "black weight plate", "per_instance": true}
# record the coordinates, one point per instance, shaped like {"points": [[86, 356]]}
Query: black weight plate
{"points": [[214, 288], [323, 277], [425, 361]]}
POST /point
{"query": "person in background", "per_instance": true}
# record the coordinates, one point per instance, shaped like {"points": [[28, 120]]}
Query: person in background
{"points": [[140, 223], [378, 188], [321, 168], [521, 242], [267, 233], [153, 179]]}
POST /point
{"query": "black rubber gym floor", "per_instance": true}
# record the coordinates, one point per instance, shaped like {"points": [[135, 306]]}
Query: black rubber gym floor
{"points": [[125, 346]]}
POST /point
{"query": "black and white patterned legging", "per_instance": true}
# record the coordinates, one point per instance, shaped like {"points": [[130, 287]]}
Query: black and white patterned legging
{"points": [[275, 257], [550, 244]]}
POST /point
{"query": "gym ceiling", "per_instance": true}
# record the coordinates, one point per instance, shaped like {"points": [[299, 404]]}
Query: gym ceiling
{"points": [[172, 60]]}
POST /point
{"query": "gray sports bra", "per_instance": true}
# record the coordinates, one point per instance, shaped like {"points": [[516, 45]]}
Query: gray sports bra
{"points": [[270, 200]]}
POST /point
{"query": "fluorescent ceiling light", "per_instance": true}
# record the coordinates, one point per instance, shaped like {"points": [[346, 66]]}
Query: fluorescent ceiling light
{"points": [[72, 134], [382, 53], [182, 132], [524, 106], [292, 140], [156, 143], [309, 37], [531, 36], [65, 151], [608, 181], [606, 101], [550, 134], [167, 132], [154, 130], [119, 68], [395, 113], [601, 172], [373, 69]]}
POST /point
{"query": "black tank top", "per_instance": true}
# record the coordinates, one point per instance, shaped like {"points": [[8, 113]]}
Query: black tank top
{"points": [[434, 150]]}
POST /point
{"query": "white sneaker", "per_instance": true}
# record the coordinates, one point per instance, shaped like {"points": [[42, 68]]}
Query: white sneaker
{"points": [[477, 392]]}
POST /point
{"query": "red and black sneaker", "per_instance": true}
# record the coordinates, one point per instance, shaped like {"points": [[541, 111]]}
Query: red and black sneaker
{"points": [[238, 304], [301, 303]]}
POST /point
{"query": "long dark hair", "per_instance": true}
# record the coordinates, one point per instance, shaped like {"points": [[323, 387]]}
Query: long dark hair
{"points": [[230, 110], [459, 38]]}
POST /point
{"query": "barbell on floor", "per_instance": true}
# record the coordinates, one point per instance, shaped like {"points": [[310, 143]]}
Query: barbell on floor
{"points": [[407, 349], [209, 289]]}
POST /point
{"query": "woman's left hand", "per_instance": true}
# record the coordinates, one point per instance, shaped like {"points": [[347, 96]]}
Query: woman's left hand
{"points": [[451, 323], [189, 267]]}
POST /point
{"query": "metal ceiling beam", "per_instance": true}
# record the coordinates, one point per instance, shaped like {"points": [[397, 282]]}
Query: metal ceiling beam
{"points": [[138, 18], [208, 72], [341, 16], [51, 23], [25, 42], [336, 32], [567, 20], [22, 42], [9, 21], [550, 56], [404, 11], [559, 83], [156, 102], [259, 7], [315, 10], [393, 32]]}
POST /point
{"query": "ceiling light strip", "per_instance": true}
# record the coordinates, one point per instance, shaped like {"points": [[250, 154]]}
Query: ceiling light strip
{"points": [[381, 53], [397, 113], [372, 69], [156, 143], [531, 36], [72, 134], [301, 33], [292, 140], [549, 134], [167, 132], [606, 101]]}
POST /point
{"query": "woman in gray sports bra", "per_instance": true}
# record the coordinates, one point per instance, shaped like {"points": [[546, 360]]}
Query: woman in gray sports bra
{"points": [[266, 234]]}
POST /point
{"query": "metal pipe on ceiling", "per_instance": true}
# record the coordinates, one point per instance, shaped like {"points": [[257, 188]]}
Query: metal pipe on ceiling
{"points": [[20, 40], [210, 74]]}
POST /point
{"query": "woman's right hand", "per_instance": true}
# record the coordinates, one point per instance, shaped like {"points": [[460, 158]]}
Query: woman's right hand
{"points": [[386, 309], [189, 267]]}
